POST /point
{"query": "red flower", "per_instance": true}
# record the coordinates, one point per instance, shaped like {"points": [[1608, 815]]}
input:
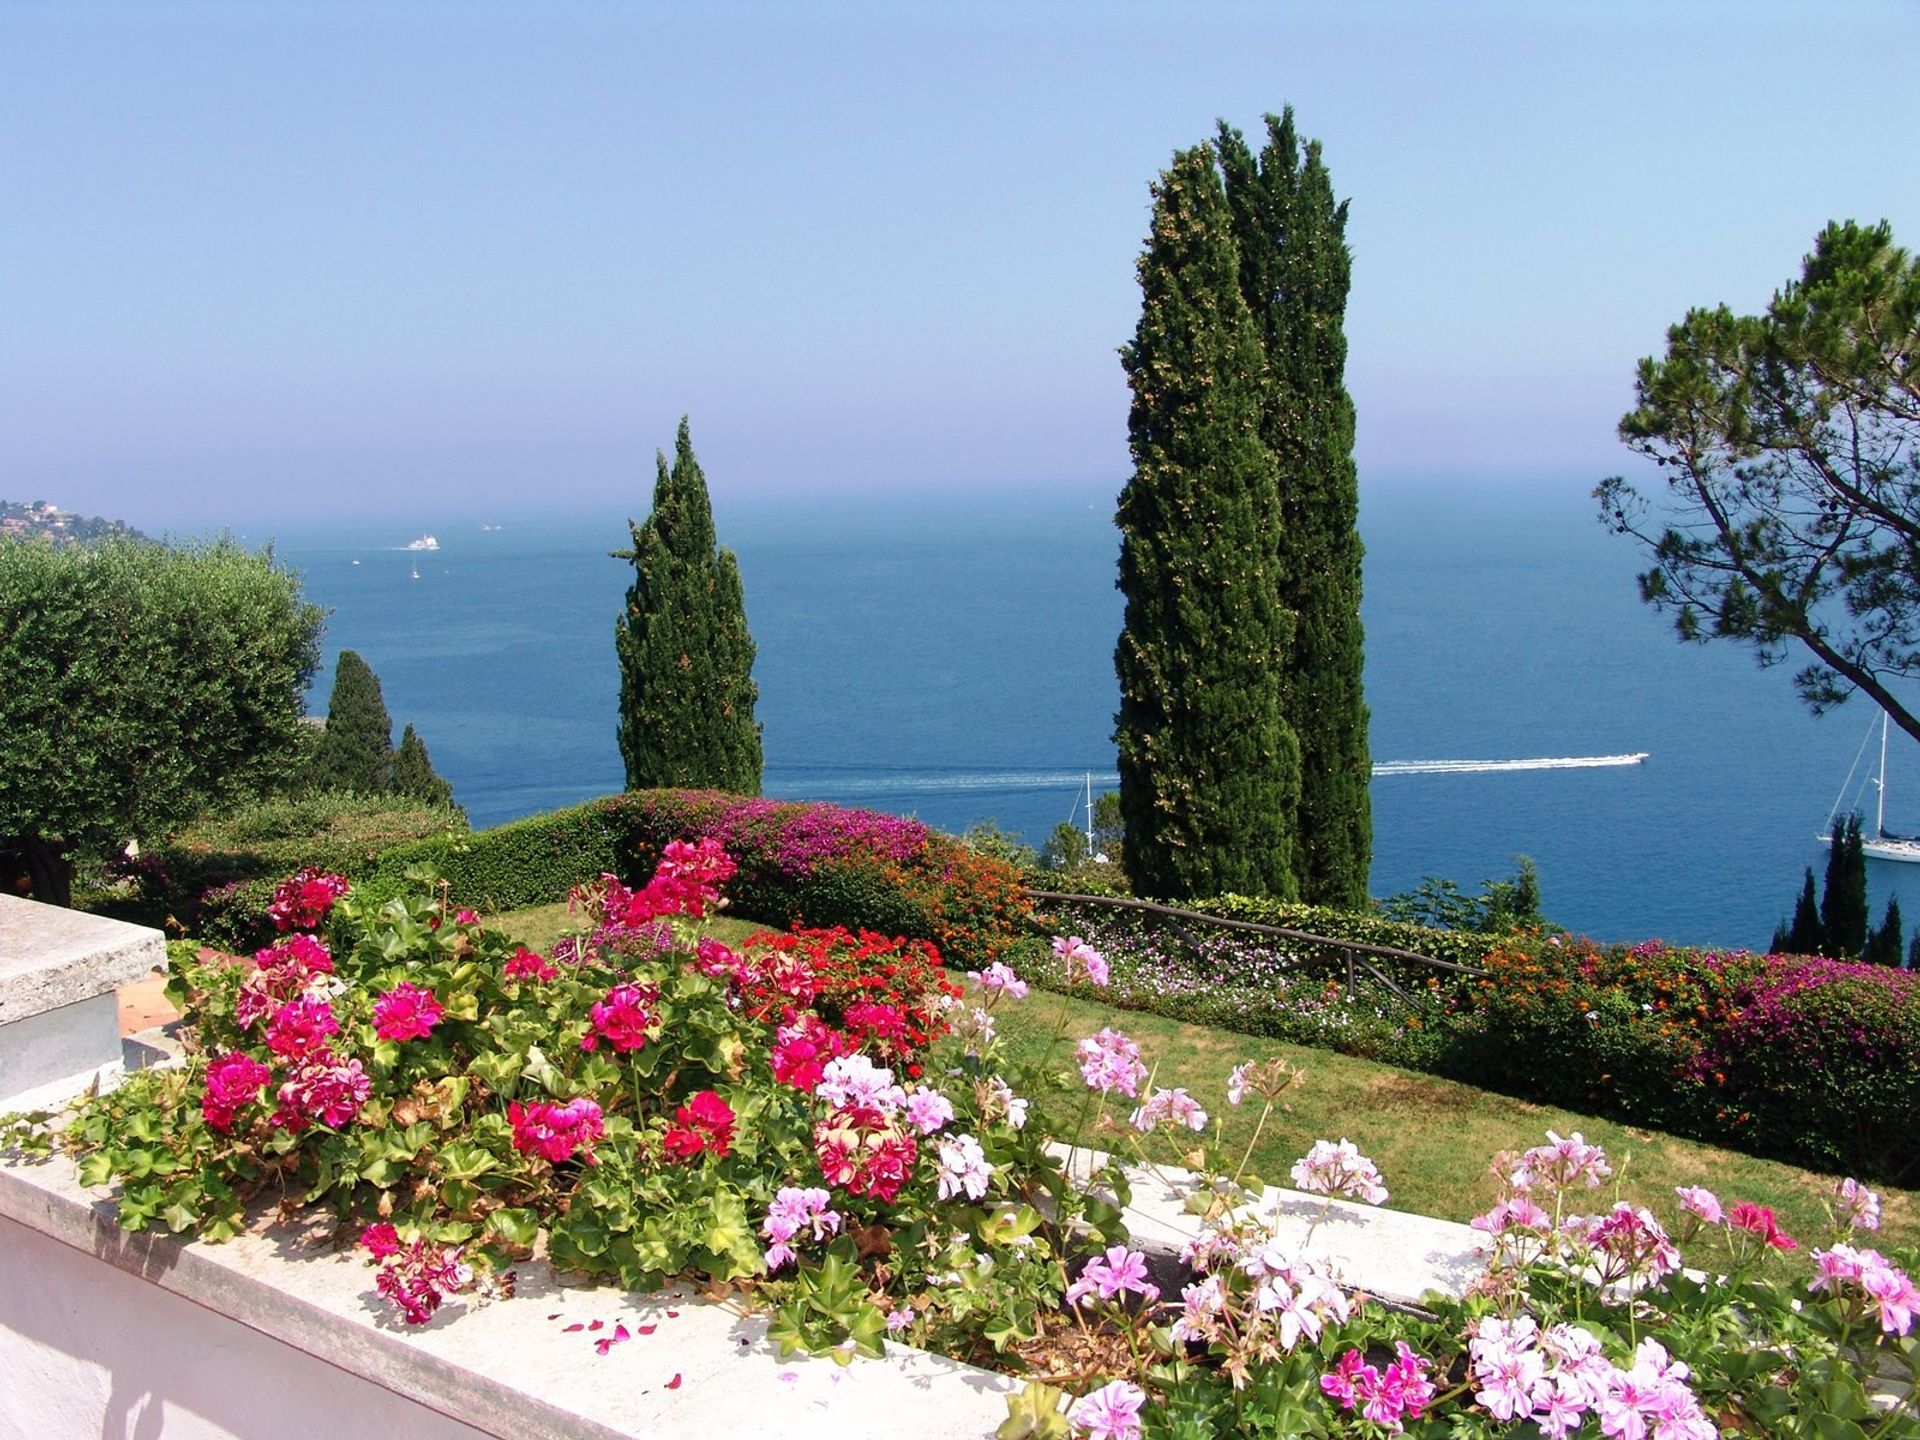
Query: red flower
{"points": [[1759, 1219], [524, 964], [302, 901], [704, 1123]]}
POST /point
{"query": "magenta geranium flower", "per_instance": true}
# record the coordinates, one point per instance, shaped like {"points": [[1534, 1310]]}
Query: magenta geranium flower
{"points": [[525, 964], [233, 1080], [300, 1028], [554, 1132], [406, 1012], [622, 1019], [302, 901]]}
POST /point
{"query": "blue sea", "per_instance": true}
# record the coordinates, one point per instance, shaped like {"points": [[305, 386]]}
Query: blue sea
{"points": [[952, 659]]}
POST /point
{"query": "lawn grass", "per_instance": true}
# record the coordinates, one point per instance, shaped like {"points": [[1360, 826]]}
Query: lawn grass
{"points": [[1433, 1139]]}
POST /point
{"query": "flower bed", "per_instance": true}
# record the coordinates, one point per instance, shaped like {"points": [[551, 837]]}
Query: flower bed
{"points": [[649, 1107]]}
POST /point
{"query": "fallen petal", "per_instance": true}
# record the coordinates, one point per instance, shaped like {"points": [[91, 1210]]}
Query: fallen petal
{"points": [[648, 1329], [674, 1383], [597, 1325], [576, 1325]]}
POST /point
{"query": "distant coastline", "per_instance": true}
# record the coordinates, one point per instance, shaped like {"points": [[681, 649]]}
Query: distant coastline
{"points": [[40, 519]]}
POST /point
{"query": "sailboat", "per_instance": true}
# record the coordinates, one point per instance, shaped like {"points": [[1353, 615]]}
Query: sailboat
{"points": [[1878, 844]]}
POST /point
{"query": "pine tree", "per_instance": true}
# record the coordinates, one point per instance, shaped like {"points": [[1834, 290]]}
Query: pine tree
{"points": [[356, 749], [413, 772], [1294, 275], [1804, 936], [1843, 904], [686, 659], [1883, 946], [1209, 769]]}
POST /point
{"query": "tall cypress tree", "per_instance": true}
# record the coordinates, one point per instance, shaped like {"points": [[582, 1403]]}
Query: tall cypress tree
{"points": [[1209, 769], [686, 659], [356, 749], [1843, 903], [1883, 946], [413, 772], [1294, 275]]}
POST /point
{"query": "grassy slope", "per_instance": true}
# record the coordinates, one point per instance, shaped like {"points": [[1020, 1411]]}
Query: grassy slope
{"points": [[1433, 1139]]}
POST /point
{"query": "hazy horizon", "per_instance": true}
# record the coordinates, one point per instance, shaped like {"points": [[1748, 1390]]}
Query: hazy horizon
{"points": [[270, 263]]}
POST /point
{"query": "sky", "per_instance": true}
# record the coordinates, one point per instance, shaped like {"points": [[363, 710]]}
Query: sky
{"points": [[278, 262]]}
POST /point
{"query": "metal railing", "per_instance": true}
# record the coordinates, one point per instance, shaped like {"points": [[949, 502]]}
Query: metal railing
{"points": [[1356, 954]]}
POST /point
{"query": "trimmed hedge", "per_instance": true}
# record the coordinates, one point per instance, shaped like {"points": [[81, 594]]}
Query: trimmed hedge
{"points": [[799, 864]]}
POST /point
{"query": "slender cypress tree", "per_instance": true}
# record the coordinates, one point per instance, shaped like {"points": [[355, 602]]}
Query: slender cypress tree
{"points": [[1804, 936], [1294, 275], [1843, 904], [413, 772], [356, 749], [1209, 770], [686, 659], [1883, 946]]}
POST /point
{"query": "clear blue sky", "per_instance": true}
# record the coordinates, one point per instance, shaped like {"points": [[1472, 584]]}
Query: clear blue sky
{"points": [[260, 262]]}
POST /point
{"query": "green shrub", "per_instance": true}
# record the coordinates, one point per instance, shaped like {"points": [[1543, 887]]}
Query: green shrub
{"points": [[265, 841]]}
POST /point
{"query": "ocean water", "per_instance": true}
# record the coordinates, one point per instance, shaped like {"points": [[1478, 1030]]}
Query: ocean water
{"points": [[952, 659]]}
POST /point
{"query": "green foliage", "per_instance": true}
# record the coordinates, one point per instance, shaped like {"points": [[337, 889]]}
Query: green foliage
{"points": [[1803, 936], [355, 753], [1812, 1061], [989, 839], [1501, 907], [1066, 848], [1209, 767], [143, 684], [1790, 445], [214, 875], [1843, 903], [1883, 946], [1295, 270], [414, 775], [686, 659]]}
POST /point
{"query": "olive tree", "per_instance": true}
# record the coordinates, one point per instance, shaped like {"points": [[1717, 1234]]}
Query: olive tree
{"points": [[143, 683]]}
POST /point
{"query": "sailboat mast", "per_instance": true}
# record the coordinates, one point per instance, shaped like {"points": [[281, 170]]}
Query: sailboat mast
{"points": [[1089, 813], [1880, 809]]}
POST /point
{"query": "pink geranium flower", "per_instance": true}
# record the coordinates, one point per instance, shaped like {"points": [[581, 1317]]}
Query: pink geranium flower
{"points": [[300, 1028], [622, 1019], [406, 1012], [555, 1132], [1110, 1413], [703, 1125], [1759, 1220], [1113, 1276], [1077, 954], [233, 1080], [524, 964], [1110, 1061]]}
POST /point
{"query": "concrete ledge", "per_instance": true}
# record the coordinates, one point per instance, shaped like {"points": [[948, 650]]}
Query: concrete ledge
{"points": [[507, 1368], [1392, 1254], [59, 1019], [50, 957]]}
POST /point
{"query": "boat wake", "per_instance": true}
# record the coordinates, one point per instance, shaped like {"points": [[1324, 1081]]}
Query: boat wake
{"points": [[840, 783], [1493, 767]]}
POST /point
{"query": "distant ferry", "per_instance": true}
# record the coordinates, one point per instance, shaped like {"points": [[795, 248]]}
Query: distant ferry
{"points": [[424, 542]]}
